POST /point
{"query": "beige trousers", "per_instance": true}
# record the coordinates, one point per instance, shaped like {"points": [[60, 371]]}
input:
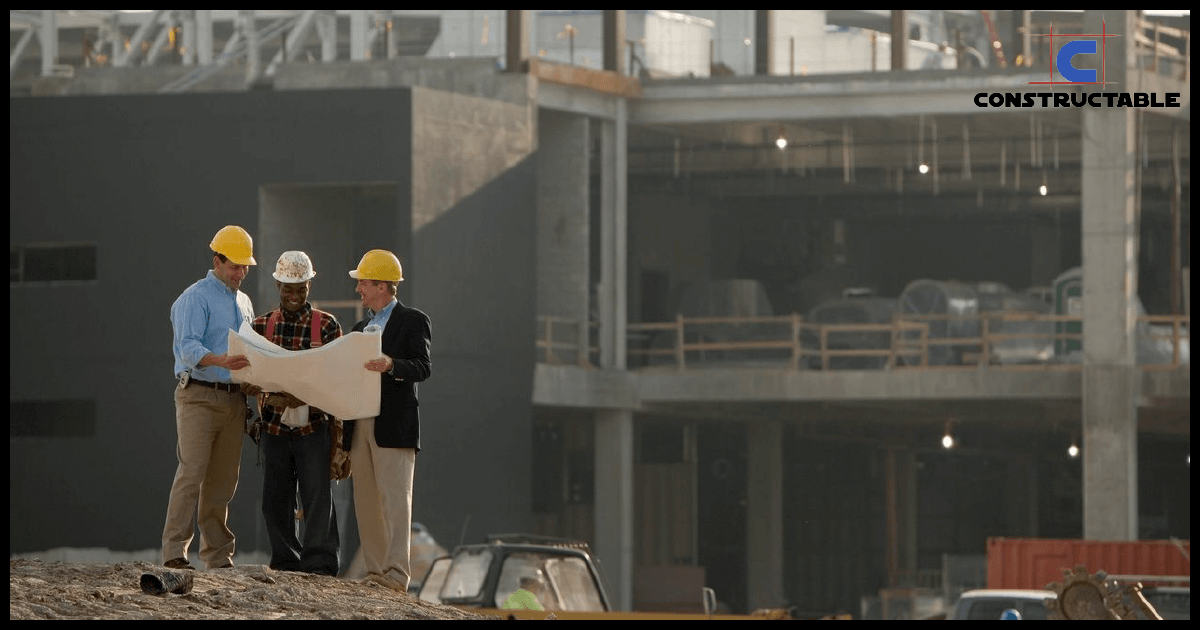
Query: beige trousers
{"points": [[383, 481], [210, 425]]}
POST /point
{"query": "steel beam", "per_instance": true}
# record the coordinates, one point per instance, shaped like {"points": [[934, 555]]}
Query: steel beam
{"points": [[14, 59], [131, 51], [293, 41]]}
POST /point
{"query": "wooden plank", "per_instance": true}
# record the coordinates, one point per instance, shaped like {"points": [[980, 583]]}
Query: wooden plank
{"points": [[598, 80]]}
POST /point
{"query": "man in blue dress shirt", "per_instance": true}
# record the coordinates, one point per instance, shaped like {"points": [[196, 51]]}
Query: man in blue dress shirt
{"points": [[210, 410]]}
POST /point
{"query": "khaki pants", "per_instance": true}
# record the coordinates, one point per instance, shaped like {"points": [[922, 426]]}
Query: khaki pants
{"points": [[383, 480], [210, 424]]}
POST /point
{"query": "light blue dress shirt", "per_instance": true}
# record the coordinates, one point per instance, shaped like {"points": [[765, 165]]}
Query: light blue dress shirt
{"points": [[381, 318], [202, 317]]}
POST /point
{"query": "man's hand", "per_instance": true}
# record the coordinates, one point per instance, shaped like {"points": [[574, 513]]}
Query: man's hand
{"points": [[236, 362], [227, 361], [382, 364]]}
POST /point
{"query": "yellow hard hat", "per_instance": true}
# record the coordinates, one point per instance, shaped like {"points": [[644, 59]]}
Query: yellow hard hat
{"points": [[235, 244], [379, 264]]}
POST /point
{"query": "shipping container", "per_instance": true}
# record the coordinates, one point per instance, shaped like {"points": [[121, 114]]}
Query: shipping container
{"points": [[1035, 562]]}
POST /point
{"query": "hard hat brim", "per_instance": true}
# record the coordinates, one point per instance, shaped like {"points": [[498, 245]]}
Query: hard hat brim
{"points": [[354, 274], [287, 280]]}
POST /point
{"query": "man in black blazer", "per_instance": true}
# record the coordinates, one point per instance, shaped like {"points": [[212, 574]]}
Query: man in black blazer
{"points": [[383, 450]]}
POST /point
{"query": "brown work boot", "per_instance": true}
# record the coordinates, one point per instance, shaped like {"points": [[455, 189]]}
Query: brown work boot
{"points": [[178, 563], [386, 581]]}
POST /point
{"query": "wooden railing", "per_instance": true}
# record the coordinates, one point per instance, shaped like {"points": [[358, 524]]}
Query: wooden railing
{"points": [[1009, 340], [574, 347], [1153, 47]]}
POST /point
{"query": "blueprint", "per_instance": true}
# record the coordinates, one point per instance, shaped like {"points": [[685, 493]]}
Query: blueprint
{"points": [[331, 377]]}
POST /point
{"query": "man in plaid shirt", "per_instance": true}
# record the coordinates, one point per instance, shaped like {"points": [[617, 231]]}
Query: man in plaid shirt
{"points": [[295, 437]]}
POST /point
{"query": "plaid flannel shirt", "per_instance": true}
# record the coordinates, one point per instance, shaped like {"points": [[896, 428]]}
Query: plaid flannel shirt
{"points": [[293, 332]]}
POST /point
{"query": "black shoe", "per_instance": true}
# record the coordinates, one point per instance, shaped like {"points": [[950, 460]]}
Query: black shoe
{"points": [[178, 563]]}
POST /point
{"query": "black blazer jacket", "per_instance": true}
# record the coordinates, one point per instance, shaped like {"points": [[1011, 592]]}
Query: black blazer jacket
{"points": [[406, 339]]}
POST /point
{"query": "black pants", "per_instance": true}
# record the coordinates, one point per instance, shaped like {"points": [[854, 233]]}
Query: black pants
{"points": [[291, 461]]}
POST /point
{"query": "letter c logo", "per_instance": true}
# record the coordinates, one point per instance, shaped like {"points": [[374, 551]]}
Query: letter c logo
{"points": [[1069, 50]]}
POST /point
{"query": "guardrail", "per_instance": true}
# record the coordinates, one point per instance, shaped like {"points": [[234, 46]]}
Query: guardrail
{"points": [[1006, 340], [1154, 49]]}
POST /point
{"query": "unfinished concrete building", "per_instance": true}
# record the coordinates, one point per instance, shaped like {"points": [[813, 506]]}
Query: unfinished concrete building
{"points": [[708, 289]]}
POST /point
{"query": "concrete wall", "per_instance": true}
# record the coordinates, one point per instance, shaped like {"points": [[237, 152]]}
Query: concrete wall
{"points": [[150, 179], [563, 239], [472, 271]]}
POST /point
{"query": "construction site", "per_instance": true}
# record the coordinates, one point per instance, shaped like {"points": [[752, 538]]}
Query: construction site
{"points": [[808, 308]]}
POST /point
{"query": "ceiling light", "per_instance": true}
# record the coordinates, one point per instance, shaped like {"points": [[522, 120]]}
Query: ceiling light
{"points": [[781, 142], [948, 440]]}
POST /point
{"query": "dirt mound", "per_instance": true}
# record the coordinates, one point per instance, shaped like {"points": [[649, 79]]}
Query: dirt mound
{"points": [[60, 590]]}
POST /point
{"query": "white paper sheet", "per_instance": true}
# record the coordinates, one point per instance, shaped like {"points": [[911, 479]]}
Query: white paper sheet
{"points": [[331, 377]]}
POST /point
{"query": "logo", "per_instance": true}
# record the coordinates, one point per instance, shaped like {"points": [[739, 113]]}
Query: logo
{"points": [[1063, 61]]}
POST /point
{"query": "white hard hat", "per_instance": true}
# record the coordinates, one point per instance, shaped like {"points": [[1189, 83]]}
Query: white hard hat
{"points": [[294, 267]]}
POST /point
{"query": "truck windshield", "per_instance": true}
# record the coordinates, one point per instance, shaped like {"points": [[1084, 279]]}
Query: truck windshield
{"points": [[467, 573], [558, 582], [432, 586]]}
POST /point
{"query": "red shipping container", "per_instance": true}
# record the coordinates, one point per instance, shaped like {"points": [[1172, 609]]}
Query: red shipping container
{"points": [[1036, 562]]}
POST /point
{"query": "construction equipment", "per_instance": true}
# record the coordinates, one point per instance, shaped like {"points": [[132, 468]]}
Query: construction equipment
{"points": [[480, 577], [1095, 597]]}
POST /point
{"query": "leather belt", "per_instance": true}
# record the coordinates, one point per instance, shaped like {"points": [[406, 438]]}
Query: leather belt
{"points": [[232, 388]]}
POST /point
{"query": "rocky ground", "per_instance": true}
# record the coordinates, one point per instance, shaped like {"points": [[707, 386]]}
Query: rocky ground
{"points": [[63, 590]]}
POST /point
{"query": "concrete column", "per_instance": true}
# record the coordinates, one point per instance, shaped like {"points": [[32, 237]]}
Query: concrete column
{"points": [[614, 40], [516, 40], [614, 503], [899, 40], [327, 31], [901, 521], [48, 39], [358, 34], [204, 42], [613, 239], [1111, 383], [562, 220], [764, 516], [764, 51], [249, 26]]}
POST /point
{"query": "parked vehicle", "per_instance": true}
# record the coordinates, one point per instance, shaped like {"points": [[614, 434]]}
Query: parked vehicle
{"points": [[987, 603], [481, 577]]}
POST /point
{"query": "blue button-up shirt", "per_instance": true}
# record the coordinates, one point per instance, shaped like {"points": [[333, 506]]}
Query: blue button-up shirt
{"points": [[202, 317], [381, 318]]}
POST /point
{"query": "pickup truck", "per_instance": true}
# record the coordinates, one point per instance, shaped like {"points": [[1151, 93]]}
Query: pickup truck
{"points": [[480, 577]]}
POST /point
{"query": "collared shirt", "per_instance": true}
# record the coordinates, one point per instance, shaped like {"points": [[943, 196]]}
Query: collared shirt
{"points": [[202, 317], [294, 332], [383, 315]]}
